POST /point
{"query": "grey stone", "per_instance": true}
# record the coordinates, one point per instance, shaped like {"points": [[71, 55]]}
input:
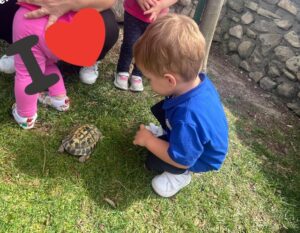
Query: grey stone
{"points": [[226, 36], [235, 59], [251, 34], [236, 31], [298, 76], [298, 17], [245, 65], [172, 10], [187, 10], [269, 41], [232, 46], [224, 48], [271, 1], [298, 94], [267, 14], [236, 19], [236, 5], [289, 75], [264, 26], [288, 6], [184, 2], [225, 24], [283, 24], [287, 90], [256, 57], [256, 76], [295, 107], [245, 49], [251, 5], [293, 64], [283, 53], [293, 39], [273, 71], [247, 18], [217, 37], [267, 84]]}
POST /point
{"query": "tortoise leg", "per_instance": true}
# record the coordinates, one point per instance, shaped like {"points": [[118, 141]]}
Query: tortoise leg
{"points": [[84, 158], [61, 149]]}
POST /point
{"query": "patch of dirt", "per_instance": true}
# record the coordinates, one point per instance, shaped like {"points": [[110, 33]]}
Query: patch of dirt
{"points": [[247, 97]]}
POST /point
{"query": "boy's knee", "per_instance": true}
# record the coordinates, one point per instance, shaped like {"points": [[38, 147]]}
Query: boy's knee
{"points": [[152, 165]]}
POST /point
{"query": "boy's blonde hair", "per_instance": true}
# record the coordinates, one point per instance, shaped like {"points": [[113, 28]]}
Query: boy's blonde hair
{"points": [[172, 44]]}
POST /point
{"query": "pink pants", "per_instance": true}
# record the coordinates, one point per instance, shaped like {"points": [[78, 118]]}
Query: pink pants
{"points": [[22, 27]]}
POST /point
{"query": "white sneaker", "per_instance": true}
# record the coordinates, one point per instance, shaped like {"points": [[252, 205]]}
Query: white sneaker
{"points": [[136, 83], [61, 105], [167, 184], [89, 75], [7, 64], [121, 80], [23, 122]]}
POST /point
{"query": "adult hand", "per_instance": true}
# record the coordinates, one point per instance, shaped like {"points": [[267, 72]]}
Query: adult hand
{"points": [[142, 136], [53, 8]]}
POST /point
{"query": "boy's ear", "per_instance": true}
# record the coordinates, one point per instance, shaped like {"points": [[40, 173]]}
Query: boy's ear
{"points": [[171, 79]]}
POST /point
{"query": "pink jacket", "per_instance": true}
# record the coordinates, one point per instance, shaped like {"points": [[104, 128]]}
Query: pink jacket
{"points": [[133, 8]]}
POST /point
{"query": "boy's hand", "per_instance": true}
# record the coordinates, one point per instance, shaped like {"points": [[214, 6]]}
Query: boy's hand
{"points": [[154, 11], [142, 136], [146, 4]]}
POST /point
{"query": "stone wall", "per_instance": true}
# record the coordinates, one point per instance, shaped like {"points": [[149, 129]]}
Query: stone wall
{"points": [[262, 37]]}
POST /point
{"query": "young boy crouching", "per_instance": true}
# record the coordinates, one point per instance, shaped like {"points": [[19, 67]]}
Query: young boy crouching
{"points": [[170, 54]]}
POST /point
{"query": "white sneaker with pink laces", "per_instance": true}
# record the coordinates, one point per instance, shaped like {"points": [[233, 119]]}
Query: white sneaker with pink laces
{"points": [[136, 83], [121, 80], [61, 105]]}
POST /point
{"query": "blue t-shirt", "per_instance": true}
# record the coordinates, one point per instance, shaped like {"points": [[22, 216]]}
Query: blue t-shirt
{"points": [[197, 128]]}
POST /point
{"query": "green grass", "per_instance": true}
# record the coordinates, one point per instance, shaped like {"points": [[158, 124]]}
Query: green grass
{"points": [[257, 190]]}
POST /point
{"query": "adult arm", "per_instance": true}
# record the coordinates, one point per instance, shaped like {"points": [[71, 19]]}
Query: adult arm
{"points": [[57, 8]]}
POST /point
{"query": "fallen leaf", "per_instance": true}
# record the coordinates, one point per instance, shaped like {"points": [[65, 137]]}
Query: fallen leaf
{"points": [[110, 202]]}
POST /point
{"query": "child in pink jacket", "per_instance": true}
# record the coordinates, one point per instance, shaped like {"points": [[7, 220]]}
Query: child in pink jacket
{"points": [[138, 15]]}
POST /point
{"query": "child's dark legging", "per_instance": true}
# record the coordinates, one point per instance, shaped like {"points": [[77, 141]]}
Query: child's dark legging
{"points": [[155, 164], [133, 29]]}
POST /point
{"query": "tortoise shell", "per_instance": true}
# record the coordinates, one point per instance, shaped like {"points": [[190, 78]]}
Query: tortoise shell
{"points": [[81, 141]]}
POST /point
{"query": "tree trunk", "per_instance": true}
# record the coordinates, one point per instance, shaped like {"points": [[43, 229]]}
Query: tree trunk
{"points": [[208, 25]]}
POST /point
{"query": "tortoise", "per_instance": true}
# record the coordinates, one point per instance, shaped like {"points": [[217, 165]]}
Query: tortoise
{"points": [[81, 141]]}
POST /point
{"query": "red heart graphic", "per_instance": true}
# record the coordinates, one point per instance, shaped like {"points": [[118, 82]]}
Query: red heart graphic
{"points": [[79, 42]]}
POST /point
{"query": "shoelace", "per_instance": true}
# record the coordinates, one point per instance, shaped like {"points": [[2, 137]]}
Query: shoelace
{"points": [[93, 67]]}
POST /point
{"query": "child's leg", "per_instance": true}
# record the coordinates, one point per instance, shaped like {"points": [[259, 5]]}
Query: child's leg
{"points": [[170, 180], [26, 104], [58, 89], [57, 93], [132, 31], [136, 72], [155, 164]]}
